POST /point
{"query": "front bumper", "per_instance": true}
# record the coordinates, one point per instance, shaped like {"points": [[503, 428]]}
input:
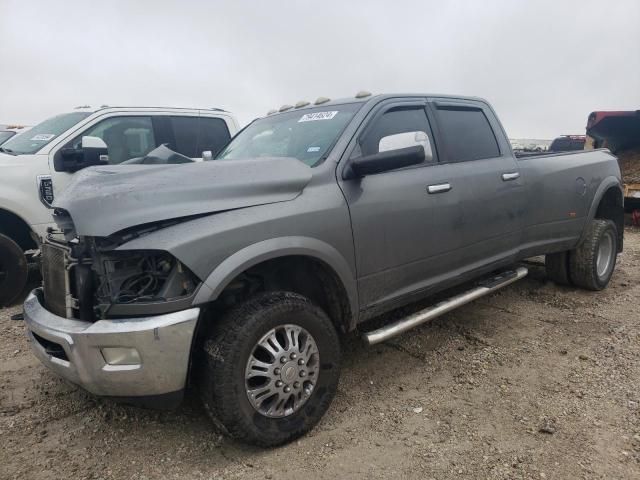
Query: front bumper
{"points": [[73, 350]]}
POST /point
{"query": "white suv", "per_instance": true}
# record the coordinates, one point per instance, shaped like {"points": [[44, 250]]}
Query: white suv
{"points": [[37, 165]]}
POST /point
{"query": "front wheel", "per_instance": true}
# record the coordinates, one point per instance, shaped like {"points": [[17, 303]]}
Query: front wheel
{"points": [[13, 271], [592, 263], [271, 368]]}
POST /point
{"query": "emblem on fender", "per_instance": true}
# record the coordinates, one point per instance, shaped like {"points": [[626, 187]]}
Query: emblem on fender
{"points": [[45, 190]]}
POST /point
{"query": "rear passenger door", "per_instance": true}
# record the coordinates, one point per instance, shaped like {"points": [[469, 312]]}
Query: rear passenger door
{"points": [[485, 178]]}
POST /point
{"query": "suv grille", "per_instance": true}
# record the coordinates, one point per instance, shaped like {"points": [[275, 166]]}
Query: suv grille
{"points": [[54, 278]]}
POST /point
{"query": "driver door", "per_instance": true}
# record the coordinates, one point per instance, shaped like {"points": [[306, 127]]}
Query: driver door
{"points": [[399, 217]]}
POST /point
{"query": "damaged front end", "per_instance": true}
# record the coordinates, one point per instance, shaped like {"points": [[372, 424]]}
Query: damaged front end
{"points": [[88, 278]]}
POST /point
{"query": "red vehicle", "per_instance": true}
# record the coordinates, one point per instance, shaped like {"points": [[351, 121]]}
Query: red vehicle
{"points": [[619, 131]]}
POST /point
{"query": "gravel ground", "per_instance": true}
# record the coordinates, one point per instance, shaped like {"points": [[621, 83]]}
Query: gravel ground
{"points": [[537, 381]]}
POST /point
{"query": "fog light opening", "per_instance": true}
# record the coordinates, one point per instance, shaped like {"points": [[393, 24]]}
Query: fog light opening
{"points": [[121, 356]]}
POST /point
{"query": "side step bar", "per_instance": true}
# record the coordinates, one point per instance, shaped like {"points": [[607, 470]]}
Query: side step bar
{"points": [[485, 287]]}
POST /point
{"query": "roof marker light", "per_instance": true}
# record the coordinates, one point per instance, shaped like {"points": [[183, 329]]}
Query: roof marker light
{"points": [[284, 108], [272, 111], [302, 103], [363, 94], [321, 100]]}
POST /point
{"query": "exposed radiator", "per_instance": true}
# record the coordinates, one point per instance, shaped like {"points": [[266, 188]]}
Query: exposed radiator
{"points": [[54, 278]]}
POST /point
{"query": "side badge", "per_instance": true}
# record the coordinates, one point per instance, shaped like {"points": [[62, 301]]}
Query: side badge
{"points": [[45, 190]]}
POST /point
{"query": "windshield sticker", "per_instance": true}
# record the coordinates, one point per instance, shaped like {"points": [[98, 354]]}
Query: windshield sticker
{"points": [[310, 117], [43, 137], [313, 149]]}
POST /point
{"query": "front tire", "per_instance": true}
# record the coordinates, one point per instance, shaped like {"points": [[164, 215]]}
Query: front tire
{"points": [[592, 263], [271, 369], [13, 271]]}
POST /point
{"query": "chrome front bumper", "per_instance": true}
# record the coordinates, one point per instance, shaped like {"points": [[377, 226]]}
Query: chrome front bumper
{"points": [[74, 350]]}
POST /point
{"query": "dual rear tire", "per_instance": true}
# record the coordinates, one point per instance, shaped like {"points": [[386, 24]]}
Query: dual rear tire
{"points": [[591, 264]]}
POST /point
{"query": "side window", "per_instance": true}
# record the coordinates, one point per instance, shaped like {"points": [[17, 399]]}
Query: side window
{"points": [[467, 134], [185, 133], [126, 137], [400, 127], [214, 135], [194, 135]]}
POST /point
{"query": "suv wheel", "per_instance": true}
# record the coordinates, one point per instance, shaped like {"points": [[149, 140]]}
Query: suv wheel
{"points": [[13, 271], [592, 263], [271, 368]]}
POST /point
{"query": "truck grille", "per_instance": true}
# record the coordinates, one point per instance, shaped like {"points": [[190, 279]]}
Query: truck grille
{"points": [[54, 278]]}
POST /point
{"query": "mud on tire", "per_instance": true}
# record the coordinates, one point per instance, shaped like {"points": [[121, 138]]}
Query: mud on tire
{"points": [[228, 348]]}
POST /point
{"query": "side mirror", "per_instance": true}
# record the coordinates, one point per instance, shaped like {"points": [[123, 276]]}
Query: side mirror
{"points": [[92, 151], [388, 160], [404, 140]]}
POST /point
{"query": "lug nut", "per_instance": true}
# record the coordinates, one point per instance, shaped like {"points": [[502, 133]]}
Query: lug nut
{"points": [[303, 373], [283, 360], [301, 362], [296, 384], [276, 371], [293, 356], [279, 383], [287, 389]]}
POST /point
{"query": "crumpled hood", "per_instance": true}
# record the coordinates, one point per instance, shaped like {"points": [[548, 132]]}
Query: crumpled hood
{"points": [[105, 200]]}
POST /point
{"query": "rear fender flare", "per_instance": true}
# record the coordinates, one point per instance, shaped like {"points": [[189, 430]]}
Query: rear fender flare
{"points": [[605, 185]]}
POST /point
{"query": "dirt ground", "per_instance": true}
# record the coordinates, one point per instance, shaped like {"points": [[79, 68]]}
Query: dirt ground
{"points": [[537, 381]]}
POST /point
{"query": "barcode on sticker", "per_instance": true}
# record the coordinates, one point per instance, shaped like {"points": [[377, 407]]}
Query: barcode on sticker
{"points": [[310, 117]]}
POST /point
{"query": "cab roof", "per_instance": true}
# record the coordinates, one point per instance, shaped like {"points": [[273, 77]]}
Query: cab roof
{"points": [[90, 109], [365, 99]]}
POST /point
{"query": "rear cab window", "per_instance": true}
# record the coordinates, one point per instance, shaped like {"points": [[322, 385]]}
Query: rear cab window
{"points": [[466, 133]]}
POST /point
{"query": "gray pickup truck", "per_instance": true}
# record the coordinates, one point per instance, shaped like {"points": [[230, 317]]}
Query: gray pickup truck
{"points": [[239, 275]]}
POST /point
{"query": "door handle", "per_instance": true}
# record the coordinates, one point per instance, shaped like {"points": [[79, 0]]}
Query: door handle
{"points": [[439, 188], [510, 176]]}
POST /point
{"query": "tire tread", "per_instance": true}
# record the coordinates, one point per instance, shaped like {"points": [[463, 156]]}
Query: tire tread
{"points": [[232, 330], [582, 259]]}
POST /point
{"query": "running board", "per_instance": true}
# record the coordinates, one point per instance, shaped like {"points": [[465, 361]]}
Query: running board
{"points": [[483, 288]]}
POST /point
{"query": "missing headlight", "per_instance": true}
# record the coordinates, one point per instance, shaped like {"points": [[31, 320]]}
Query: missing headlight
{"points": [[141, 277]]}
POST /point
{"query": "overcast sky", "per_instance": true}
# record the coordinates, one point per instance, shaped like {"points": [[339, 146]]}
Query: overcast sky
{"points": [[543, 64]]}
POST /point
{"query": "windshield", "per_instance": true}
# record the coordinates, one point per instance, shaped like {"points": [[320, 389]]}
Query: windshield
{"points": [[43, 133], [4, 136], [303, 134]]}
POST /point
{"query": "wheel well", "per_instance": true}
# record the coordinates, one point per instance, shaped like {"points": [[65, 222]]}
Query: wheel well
{"points": [[611, 208], [307, 276], [17, 229]]}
